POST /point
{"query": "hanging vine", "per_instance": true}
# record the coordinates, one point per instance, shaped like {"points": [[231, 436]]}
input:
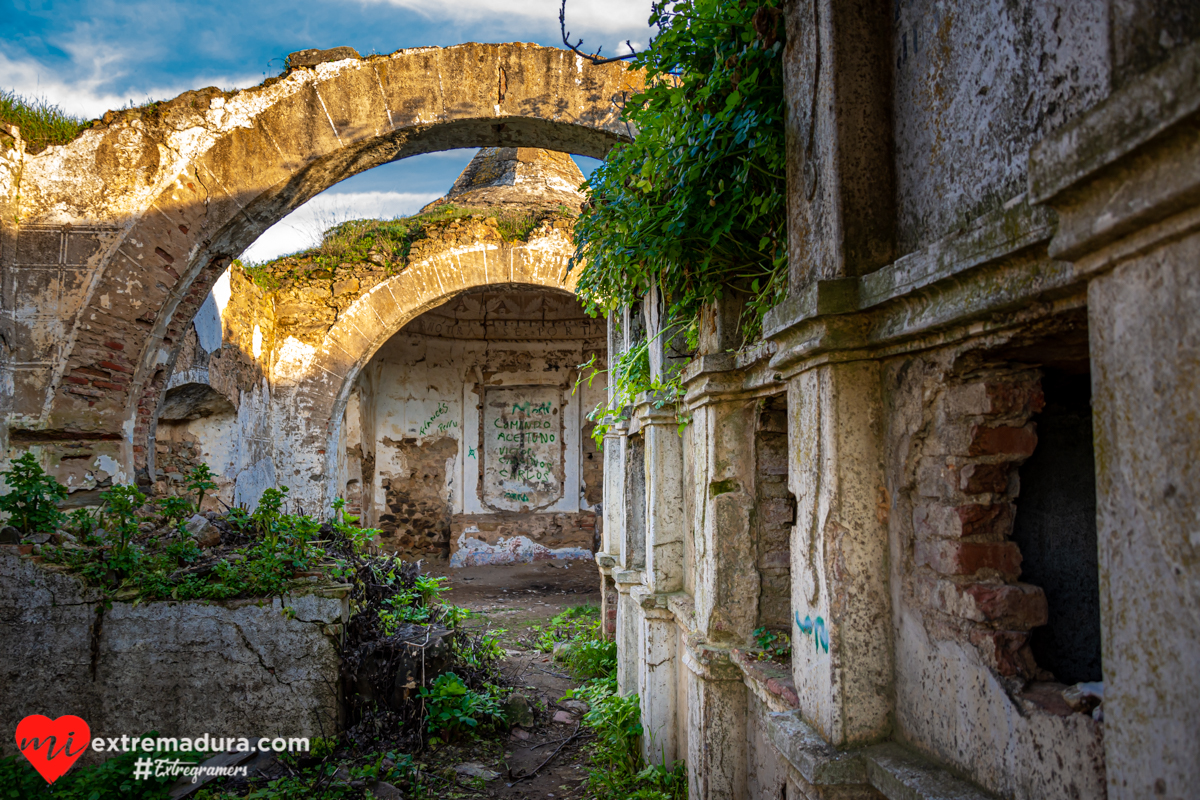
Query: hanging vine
{"points": [[696, 205]]}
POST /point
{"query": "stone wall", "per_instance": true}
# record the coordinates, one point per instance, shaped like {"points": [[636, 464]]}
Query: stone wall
{"points": [[477, 432], [243, 668], [989, 352]]}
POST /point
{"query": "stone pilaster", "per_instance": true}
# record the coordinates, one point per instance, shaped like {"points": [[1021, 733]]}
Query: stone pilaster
{"points": [[716, 714], [628, 631], [727, 580], [658, 669], [664, 501], [841, 610]]}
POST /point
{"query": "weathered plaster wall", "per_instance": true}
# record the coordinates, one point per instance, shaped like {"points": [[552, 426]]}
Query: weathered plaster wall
{"points": [[242, 668], [1146, 360], [975, 85], [456, 468]]}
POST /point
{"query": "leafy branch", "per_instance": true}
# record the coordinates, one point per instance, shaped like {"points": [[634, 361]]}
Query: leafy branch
{"points": [[696, 204]]}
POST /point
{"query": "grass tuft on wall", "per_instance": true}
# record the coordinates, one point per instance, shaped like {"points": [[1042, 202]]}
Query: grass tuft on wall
{"points": [[41, 122]]}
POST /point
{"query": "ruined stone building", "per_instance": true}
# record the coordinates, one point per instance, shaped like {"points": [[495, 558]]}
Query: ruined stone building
{"points": [[957, 470], [464, 433]]}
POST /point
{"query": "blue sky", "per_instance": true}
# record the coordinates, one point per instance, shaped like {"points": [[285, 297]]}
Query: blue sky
{"points": [[91, 56]]}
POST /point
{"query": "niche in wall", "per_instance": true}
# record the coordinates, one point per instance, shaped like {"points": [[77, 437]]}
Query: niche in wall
{"points": [[633, 549], [775, 514], [1055, 527]]}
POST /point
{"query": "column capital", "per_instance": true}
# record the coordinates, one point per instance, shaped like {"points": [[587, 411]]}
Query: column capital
{"points": [[711, 662]]}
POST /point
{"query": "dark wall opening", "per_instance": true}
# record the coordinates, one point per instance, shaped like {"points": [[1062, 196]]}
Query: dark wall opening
{"points": [[775, 513], [1055, 527], [635, 503]]}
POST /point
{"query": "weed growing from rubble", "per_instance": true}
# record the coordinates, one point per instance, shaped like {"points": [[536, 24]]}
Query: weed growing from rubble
{"points": [[41, 122], [32, 498], [453, 709], [121, 504], [200, 481], [174, 509], [773, 644]]}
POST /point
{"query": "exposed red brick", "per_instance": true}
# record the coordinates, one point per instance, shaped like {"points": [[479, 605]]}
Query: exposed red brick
{"points": [[114, 345], [980, 478], [108, 385], [1015, 397], [978, 520], [952, 557], [88, 371], [1005, 651], [164, 255], [78, 380], [114, 366], [1003, 440], [1018, 606], [935, 521]]}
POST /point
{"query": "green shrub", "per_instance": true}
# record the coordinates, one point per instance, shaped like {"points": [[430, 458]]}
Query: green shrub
{"points": [[576, 622], [121, 504], [617, 771], [773, 644], [200, 481], [174, 509], [32, 497], [110, 780], [453, 709], [593, 658]]}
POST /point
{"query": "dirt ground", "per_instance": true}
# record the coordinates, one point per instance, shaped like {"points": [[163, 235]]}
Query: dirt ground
{"points": [[514, 598]]}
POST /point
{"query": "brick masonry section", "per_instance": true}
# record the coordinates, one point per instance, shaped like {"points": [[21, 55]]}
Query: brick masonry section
{"points": [[967, 570]]}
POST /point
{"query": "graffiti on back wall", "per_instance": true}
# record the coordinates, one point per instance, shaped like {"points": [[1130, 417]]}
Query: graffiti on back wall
{"points": [[521, 447], [816, 629]]}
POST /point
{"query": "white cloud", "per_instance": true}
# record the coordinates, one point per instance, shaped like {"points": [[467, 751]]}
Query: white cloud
{"points": [[84, 89], [303, 227], [597, 22]]}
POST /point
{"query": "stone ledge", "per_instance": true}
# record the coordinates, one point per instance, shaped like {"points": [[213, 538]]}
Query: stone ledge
{"points": [[901, 774], [985, 240], [819, 762], [772, 678], [628, 577], [897, 772], [1125, 121]]}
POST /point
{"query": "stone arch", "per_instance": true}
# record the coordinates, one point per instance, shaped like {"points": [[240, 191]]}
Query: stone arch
{"points": [[156, 202], [316, 380]]}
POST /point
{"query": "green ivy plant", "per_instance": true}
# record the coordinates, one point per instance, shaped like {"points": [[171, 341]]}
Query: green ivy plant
{"points": [[32, 498], [696, 204]]}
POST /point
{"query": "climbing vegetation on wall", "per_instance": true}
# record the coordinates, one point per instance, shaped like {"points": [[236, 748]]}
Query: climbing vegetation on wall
{"points": [[696, 204]]}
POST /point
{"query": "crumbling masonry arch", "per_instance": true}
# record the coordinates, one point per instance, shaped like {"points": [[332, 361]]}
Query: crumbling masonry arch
{"points": [[146, 210], [319, 379]]}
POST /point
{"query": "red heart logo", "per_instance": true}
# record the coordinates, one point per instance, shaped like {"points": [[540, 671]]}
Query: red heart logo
{"points": [[49, 744]]}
